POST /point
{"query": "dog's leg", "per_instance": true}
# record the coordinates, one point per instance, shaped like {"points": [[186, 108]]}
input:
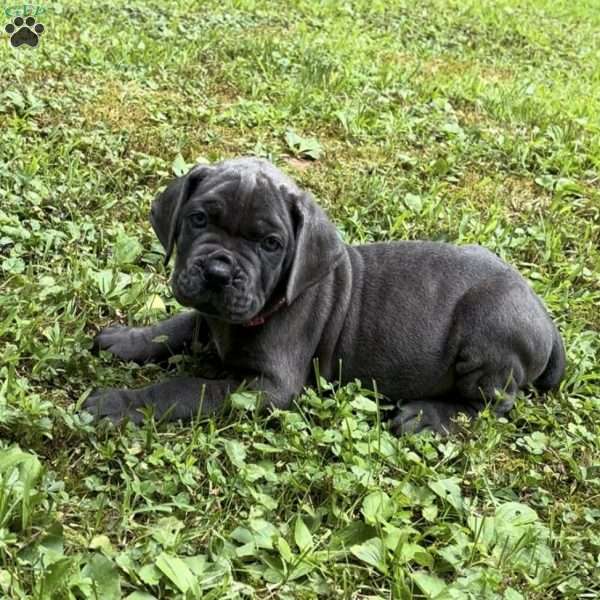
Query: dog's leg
{"points": [[153, 343], [474, 389], [180, 398], [480, 379], [503, 340]]}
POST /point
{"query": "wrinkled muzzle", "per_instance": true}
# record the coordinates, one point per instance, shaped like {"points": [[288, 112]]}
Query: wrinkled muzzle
{"points": [[215, 284]]}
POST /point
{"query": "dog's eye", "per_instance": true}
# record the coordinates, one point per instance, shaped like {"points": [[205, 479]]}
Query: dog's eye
{"points": [[198, 219], [271, 243]]}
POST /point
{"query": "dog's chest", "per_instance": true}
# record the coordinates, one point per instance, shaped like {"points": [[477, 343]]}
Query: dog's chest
{"points": [[221, 337], [231, 342]]}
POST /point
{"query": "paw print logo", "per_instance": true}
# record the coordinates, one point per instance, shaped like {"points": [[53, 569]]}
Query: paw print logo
{"points": [[24, 31]]}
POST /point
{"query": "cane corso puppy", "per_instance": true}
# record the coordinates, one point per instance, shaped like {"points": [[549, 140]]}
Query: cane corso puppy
{"points": [[441, 329]]}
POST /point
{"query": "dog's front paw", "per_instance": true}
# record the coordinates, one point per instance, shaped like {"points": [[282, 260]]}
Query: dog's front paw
{"points": [[126, 343], [113, 404]]}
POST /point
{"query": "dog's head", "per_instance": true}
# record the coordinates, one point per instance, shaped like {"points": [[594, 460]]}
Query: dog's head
{"points": [[245, 235]]}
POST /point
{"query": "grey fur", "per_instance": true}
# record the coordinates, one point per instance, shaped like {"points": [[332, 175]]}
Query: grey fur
{"points": [[442, 329]]}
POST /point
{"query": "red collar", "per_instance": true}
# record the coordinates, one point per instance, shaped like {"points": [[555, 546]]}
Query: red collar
{"points": [[261, 317]]}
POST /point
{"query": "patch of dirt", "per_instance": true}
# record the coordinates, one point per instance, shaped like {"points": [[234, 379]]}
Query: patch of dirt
{"points": [[301, 164]]}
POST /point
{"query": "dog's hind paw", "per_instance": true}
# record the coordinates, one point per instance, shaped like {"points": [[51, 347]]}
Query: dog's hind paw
{"points": [[412, 417], [431, 415]]}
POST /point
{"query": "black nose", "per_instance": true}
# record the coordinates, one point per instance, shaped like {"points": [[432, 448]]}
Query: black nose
{"points": [[217, 270]]}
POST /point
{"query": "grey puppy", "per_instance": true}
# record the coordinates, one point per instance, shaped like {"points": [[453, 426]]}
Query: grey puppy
{"points": [[442, 329]]}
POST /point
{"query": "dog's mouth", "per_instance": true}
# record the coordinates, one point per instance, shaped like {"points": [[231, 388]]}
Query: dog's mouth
{"points": [[231, 302]]}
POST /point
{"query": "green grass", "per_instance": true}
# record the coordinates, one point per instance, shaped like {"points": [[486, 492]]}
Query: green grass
{"points": [[468, 121]]}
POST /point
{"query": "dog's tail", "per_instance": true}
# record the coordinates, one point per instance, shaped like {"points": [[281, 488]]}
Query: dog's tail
{"points": [[555, 368]]}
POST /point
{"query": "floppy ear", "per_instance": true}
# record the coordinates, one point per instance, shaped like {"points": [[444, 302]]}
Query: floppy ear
{"points": [[164, 215], [318, 246]]}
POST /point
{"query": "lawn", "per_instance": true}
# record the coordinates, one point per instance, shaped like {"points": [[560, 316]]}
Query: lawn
{"points": [[468, 121]]}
